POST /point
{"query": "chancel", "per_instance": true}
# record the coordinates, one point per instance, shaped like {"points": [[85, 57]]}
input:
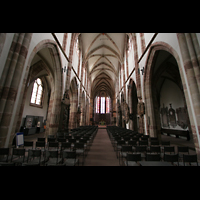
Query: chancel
{"points": [[100, 99]]}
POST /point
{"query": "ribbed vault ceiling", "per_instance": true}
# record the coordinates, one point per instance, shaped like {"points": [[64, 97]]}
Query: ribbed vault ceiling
{"points": [[102, 54]]}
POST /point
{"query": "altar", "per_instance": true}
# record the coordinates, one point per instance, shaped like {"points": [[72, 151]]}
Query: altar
{"points": [[102, 122]]}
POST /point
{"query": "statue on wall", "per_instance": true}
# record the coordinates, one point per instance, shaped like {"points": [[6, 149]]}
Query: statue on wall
{"points": [[172, 116], [164, 116], [125, 112], [182, 117], [141, 112], [65, 108], [140, 107], [66, 98]]}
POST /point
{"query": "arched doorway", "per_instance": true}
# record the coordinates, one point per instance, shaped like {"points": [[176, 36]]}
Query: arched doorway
{"points": [[44, 63], [73, 95], [133, 101], [164, 92]]}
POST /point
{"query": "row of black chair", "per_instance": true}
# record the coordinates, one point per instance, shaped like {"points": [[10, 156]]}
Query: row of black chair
{"points": [[147, 148], [188, 160], [48, 153]]}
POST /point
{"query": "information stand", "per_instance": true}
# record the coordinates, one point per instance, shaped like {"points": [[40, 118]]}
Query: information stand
{"points": [[19, 139]]}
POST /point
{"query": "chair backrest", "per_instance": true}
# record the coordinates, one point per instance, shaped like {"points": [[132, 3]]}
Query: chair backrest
{"points": [[152, 157], [18, 152], [153, 138], [133, 157], [126, 148], [34, 154], [40, 144], [79, 145], [28, 144], [120, 142], [183, 149], [140, 148], [169, 149], [51, 139], [155, 149], [72, 140], [69, 154], [61, 139], [171, 158], [154, 142], [65, 145], [143, 142], [53, 144], [41, 139], [3, 152], [83, 141], [52, 154], [165, 143], [190, 158], [132, 142]]}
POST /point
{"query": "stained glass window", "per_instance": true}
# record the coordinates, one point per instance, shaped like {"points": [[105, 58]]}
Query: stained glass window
{"points": [[107, 104], [97, 104], [102, 105], [36, 97]]}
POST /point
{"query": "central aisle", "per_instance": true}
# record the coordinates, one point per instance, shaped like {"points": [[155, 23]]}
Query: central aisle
{"points": [[101, 152]]}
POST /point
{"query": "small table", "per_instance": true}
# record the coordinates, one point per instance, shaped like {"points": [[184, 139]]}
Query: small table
{"points": [[154, 163]]}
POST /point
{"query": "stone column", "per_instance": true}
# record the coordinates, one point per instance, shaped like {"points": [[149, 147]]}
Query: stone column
{"points": [[10, 81], [192, 83]]}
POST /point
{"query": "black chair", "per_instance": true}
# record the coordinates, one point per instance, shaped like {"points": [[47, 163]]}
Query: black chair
{"points": [[79, 148], [170, 149], [41, 139], [125, 149], [153, 139], [51, 139], [4, 152], [133, 143], [154, 149], [34, 158], [52, 158], [61, 139], [132, 159], [143, 142], [190, 159], [69, 158], [142, 150], [66, 146], [119, 145], [165, 143], [28, 144], [40, 145], [53, 146], [152, 157], [154, 142], [18, 156], [182, 150], [173, 158]]}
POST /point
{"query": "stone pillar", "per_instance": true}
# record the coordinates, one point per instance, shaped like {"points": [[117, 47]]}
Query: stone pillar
{"points": [[143, 46], [193, 85], [10, 81], [193, 57]]}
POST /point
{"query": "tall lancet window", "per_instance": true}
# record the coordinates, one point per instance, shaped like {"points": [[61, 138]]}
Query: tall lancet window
{"points": [[102, 105], [107, 104], [97, 104], [37, 93]]}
